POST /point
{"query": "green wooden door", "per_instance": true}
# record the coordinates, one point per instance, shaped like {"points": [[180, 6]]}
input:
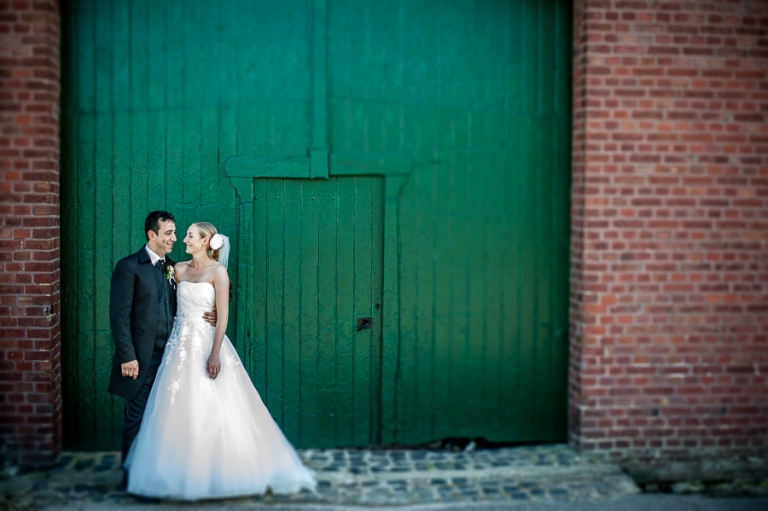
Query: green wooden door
{"points": [[434, 135], [318, 271]]}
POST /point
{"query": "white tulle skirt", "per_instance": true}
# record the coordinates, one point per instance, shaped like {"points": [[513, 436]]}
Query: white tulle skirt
{"points": [[203, 438]]}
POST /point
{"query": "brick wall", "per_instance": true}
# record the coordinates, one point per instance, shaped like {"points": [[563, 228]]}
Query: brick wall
{"points": [[669, 300], [30, 390]]}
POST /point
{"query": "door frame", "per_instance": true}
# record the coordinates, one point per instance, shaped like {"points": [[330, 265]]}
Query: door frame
{"points": [[395, 168]]}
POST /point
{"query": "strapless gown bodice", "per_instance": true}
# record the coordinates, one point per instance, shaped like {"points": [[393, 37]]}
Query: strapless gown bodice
{"points": [[202, 438], [194, 298]]}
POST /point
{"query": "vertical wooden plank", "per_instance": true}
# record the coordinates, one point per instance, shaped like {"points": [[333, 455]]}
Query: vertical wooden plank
{"points": [[256, 359], [488, 196], [292, 334], [155, 62], [375, 435], [86, 180], [251, 42], [246, 248], [407, 361], [543, 390], [155, 161], [527, 282], [460, 262], [496, 235], [274, 254], [71, 58], [413, 379], [543, 216], [138, 121], [191, 86], [102, 226], [528, 249], [476, 337], [363, 308], [207, 98], [346, 386], [425, 282], [512, 294], [561, 208], [390, 338], [174, 130], [310, 435], [443, 288], [121, 246], [327, 319]]}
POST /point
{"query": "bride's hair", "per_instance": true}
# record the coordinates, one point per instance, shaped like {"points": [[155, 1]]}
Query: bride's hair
{"points": [[208, 229]]}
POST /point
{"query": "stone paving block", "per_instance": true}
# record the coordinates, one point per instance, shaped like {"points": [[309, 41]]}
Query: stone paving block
{"points": [[363, 477]]}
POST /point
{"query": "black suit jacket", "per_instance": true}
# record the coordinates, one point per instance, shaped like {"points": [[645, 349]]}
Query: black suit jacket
{"points": [[134, 314]]}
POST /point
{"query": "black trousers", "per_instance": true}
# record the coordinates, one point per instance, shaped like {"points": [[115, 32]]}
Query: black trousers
{"points": [[134, 408]]}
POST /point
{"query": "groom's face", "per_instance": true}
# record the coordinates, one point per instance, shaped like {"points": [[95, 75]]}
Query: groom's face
{"points": [[162, 242]]}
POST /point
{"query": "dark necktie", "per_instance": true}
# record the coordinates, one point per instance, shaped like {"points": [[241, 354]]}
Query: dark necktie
{"points": [[160, 265]]}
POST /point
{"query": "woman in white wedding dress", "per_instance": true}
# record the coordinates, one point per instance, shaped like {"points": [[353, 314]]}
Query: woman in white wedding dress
{"points": [[206, 433]]}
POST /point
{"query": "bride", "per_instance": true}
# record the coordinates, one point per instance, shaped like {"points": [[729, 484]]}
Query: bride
{"points": [[206, 433]]}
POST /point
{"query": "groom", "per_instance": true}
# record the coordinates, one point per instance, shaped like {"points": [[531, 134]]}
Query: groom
{"points": [[142, 304]]}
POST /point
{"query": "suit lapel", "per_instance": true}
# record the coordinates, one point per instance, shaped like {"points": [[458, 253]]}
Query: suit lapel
{"points": [[143, 255], [149, 269]]}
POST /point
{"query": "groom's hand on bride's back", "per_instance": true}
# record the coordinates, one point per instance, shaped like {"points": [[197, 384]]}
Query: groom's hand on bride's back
{"points": [[131, 369], [211, 317]]}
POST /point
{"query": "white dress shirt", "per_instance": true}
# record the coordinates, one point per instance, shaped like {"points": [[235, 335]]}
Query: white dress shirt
{"points": [[154, 258]]}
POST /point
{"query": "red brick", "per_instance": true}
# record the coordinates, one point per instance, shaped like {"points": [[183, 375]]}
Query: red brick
{"points": [[689, 325], [34, 131]]}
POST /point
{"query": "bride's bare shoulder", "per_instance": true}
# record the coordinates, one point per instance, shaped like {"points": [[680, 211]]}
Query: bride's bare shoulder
{"points": [[180, 268], [219, 273]]}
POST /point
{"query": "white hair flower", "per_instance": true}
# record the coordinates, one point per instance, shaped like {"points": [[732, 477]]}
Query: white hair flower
{"points": [[217, 241]]}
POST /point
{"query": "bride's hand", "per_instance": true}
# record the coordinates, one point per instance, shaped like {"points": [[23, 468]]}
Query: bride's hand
{"points": [[214, 365], [211, 317]]}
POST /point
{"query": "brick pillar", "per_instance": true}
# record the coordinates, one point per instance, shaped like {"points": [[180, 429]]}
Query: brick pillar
{"points": [[669, 303], [30, 361]]}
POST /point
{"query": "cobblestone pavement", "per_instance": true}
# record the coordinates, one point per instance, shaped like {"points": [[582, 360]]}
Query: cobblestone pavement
{"points": [[361, 477]]}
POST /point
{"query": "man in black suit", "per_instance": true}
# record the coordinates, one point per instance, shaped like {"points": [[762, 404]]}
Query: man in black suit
{"points": [[142, 304]]}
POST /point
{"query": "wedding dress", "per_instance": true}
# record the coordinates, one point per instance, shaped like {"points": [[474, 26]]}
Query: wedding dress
{"points": [[202, 438]]}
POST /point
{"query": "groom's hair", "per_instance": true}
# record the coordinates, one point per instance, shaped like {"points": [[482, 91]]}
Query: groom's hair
{"points": [[152, 223]]}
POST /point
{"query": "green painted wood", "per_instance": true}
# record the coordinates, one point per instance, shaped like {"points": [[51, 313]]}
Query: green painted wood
{"points": [[327, 319], [290, 202], [438, 137], [345, 330], [473, 94], [271, 278], [69, 159], [322, 269], [102, 223], [157, 96]]}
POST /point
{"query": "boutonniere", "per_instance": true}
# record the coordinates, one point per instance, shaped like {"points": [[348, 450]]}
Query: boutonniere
{"points": [[170, 274]]}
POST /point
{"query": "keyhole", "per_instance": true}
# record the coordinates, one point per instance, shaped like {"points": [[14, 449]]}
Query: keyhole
{"points": [[363, 323]]}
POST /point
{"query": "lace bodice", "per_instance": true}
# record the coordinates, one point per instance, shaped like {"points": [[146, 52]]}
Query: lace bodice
{"points": [[194, 298]]}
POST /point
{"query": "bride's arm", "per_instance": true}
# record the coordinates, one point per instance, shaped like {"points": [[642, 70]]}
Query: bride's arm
{"points": [[221, 283]]}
